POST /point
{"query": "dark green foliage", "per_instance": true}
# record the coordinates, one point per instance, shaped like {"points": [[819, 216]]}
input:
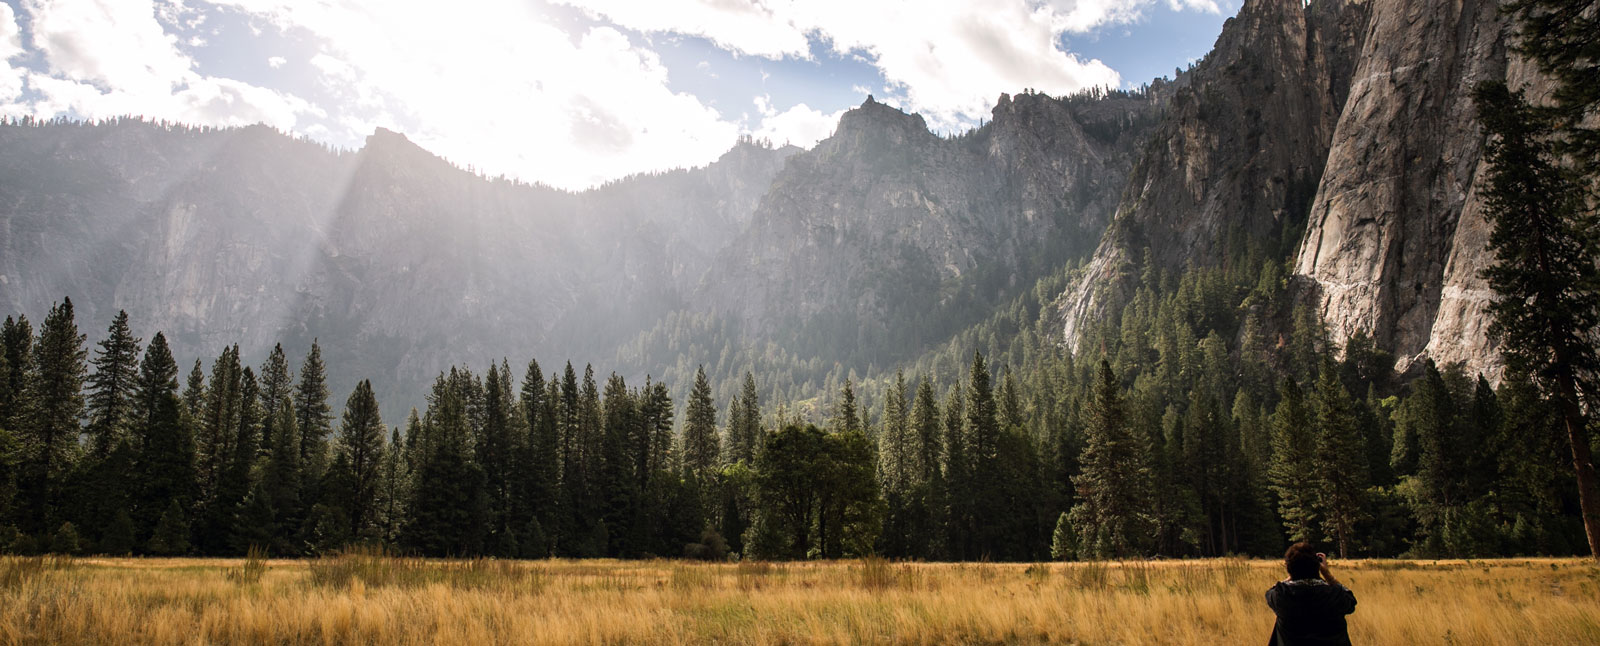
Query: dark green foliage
{"points": [[817, 494], [171, 536], [1187, 453], [16, 337], [1546, 236], [1563, 38], [1338, 461], [49, 433], [1111, 518], [360, 456], [449, 507], [700, 449], [1291, 470], [164, 470], [312, 415], [118, 538], [111, 387], [276, 388]]}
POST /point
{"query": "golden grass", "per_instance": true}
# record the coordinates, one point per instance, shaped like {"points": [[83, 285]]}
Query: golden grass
{"points": [[368, 598]]}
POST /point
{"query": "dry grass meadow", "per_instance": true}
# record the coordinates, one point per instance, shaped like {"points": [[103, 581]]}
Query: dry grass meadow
{"points": [[370, 599]]}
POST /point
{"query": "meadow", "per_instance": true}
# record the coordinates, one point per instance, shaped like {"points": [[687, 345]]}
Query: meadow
{"points": [[363, 598]]}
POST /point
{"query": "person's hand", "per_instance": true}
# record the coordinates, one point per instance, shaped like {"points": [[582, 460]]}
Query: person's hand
{"points": [[1322, 569]]}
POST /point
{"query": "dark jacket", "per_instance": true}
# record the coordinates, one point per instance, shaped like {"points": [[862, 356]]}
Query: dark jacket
{"points": [[1310, 612]]}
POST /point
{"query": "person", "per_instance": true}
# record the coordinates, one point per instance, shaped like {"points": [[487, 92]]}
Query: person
{"points": [[1311, 604]]}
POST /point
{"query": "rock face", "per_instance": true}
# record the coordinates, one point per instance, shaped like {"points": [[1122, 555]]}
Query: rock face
{"points": [[1239, 153], [1355, 119], [1397, 232], [886, 236]]}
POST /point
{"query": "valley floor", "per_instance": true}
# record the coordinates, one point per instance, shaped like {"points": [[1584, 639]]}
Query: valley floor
{"points": [[367, 599]]}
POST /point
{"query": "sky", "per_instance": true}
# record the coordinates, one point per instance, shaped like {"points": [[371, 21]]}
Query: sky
{"points": [[574, 93]]}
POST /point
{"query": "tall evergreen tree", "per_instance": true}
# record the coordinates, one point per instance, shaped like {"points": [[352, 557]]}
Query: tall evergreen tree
{"points": [[1338, 461], [1111, 517], [277, 386], [16, 343], [110, 400], [194, 393], [845, 417], [218, 428], [496, 452], [540, 467], [55, 404], [700, 428], [1291, 471], [312, 415], [749, 421], [163, 439], [449, 505], [896, 450], [1547, 287], [282, 482], [360, 444]]}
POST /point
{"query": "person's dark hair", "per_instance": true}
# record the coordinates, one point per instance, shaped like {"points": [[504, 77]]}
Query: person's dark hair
{"points": [[1301, 561]]}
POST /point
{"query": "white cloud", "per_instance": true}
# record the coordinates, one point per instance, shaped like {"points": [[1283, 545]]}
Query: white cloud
{"points": [[10, 34], [276, 62], [106, 58], [948, 59], [11, 78], [493, 84], [753, 27], [800, 125]]}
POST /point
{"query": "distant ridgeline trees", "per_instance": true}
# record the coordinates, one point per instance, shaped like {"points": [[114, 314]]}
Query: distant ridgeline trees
{"points": [[1184, 427]]}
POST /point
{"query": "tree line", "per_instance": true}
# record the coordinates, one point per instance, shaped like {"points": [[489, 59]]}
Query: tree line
{"points": [[1170, 445]]}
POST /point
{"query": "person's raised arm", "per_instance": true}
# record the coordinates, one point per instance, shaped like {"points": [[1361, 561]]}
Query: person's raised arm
{"points": [[1322, 569]]}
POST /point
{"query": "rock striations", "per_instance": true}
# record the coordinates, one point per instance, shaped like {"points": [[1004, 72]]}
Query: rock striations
{"points": [[1397, 234]]}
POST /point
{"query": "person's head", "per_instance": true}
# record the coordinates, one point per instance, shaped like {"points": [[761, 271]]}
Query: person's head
{"points": [[1302, 561]]}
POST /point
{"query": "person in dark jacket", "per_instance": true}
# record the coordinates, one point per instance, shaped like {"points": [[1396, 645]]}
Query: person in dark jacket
{"points": [[1310, 604]]}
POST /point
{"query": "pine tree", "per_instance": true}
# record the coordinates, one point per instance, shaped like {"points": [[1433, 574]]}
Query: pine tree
{"points": [[1561, 36], [982, 431], [1291, 470], [700, 429], [360, 446], [55, 403], [924, 432], [282, 482], [218, 428], [110, 398], [194, 394], [277, 387], [749, 421], [1547, 286], [312, 416], [1338, 461], [1111, 518], [496, 452], [845, 417], [393, 489], [163, 439], [16, 341], [540, 467], [896, 461], [449, 505]]}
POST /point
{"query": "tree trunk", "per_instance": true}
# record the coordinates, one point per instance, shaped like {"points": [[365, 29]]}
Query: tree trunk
{"points": [[1582, 462]]}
